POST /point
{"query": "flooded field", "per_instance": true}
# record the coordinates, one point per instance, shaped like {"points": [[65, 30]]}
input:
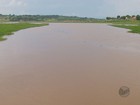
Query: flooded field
{"points": [[70, 64]]}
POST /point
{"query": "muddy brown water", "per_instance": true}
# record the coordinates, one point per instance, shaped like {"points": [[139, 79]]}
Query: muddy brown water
{"points": [[70, 64]]}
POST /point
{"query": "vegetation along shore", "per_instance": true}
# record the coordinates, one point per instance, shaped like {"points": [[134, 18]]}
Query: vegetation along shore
{"points": [[9, 28], [128, 22], [133, 28], [11, 23]]}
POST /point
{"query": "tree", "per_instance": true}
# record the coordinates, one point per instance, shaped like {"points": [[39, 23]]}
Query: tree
{"points": [[123, 17], [138, 17], [118, 17], [128, 16]]}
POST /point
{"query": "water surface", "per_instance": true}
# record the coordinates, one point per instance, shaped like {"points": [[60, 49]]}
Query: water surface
{"points": [[70, 64]]}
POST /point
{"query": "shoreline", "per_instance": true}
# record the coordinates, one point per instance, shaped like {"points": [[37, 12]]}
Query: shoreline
{"points": [[9, 28]]}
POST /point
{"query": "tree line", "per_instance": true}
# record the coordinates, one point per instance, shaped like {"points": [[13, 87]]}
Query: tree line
{"points": [[127, 17], [46, 18]]}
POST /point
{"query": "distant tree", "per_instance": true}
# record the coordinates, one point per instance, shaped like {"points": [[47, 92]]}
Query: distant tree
{"points": [[128, 16], [118, 17], [110, 18], [123, 17], [138, 17]]}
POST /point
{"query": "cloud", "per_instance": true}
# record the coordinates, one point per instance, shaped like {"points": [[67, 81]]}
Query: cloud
{"points": [[124, 7], [12, 6], [90, 8], [16, 3]]}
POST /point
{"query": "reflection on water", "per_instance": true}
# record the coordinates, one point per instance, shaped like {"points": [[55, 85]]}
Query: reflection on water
{"points": [[70, 64]]}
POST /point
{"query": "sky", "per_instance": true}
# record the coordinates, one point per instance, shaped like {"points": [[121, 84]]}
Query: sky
{"points": [[83, 8]]}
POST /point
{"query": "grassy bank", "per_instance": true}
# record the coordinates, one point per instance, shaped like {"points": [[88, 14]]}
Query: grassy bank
{"points": [[9, 28], [132, 25], [134, 28]]}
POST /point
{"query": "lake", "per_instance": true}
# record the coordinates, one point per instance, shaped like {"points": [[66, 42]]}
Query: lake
{"points": [[70, 64]]}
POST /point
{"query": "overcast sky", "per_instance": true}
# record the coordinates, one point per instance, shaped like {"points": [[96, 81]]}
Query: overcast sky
{"points": [[85, 8]]}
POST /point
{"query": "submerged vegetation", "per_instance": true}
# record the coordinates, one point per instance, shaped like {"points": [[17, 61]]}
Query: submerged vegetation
{"points": [[9, 28]]}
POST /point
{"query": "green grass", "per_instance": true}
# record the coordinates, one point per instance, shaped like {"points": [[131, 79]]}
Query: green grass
{"points": [[8, 29], [132, 25], [134, 28]]}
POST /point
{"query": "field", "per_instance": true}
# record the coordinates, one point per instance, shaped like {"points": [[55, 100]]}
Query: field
{"points": [[134, 28], [9, 28]]}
